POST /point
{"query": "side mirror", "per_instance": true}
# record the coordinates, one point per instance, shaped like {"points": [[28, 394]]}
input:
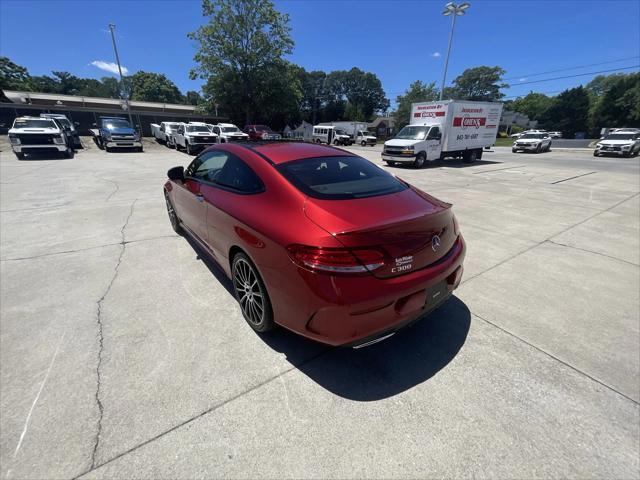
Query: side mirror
{"points": [[176, 173]]}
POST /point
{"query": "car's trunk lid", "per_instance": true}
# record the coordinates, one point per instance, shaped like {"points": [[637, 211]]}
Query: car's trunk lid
{"points": [[414, 229]]}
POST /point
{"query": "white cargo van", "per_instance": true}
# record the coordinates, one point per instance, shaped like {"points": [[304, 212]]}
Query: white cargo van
{"points": [[449, 128]]}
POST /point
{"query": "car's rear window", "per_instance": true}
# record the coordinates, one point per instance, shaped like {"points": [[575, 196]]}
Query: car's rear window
{"points": [[339, 178]]}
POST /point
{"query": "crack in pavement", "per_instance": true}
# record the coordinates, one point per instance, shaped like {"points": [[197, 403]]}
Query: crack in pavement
{"points": [[110, 181], [84, 249], [123, 244]]}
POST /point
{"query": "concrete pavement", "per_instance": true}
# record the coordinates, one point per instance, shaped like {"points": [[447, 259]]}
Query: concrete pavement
{"points": [[124, 355]]}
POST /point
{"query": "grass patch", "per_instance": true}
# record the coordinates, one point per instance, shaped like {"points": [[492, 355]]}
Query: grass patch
{"points": [[504, 142]]}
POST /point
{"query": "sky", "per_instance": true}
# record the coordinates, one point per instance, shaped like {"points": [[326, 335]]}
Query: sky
{"points": [[399, 40]]}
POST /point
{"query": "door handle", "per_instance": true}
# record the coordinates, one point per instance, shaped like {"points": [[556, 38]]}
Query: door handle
{"points": [[200, 197]]}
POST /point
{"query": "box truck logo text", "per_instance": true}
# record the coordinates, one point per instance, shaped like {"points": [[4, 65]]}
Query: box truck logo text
{"points": [[428, 114], [466, 122]]}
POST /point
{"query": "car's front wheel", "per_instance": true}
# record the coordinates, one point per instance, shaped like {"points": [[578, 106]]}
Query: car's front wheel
{"points": [[19, 155], [420, 160], [251, 294], [173, 216]]}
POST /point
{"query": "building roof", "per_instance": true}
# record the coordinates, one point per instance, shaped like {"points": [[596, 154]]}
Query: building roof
{"points": [[38, 98], [389, 120]]}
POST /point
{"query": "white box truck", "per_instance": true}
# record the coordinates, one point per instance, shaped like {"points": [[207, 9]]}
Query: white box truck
{"points": [[449, 128]]}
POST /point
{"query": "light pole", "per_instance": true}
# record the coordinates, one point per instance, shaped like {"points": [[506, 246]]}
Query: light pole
{"points": [[455, 11], [112, 27]]}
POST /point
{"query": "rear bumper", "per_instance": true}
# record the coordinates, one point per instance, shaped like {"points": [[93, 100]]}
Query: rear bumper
{"points": [[353, 311]]}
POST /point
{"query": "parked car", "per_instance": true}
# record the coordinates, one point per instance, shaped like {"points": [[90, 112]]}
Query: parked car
{"points": [[319, 241], [193, 137], [330, 135], [261, 132], [534, 142], [39, 135], [67, 125], [117, 132], [444, 129], [555, 134], [625, 142], [228, 132], [518, 135], [163, 132]]}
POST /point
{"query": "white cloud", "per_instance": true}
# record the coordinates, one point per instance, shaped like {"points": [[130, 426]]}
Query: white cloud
{"points": [[523, 79], [109, 67], [436, 54]]}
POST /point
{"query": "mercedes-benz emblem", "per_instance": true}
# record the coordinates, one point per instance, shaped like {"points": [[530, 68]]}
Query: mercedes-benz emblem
{"points": [[435, 242]]}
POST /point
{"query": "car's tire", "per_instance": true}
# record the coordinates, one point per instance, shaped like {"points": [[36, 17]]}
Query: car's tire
{"points": [[363, 143], [513, 150], [626, 154], [549, 147], [173, 216], [539, 148], [251, 294], [68, 153], [19, 155], [470, 156], [107, 149], [420, 161], [595, 153]]}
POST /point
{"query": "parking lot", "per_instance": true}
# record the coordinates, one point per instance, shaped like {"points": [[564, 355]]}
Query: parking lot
{"points": [[124, 354]]}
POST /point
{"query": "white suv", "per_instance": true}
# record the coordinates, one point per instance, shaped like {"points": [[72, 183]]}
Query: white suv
{"points": [[625, 142], [39, 135]]}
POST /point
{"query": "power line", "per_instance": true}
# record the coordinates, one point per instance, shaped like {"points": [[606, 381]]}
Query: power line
{"points": [[577, 75], [571, 68]]}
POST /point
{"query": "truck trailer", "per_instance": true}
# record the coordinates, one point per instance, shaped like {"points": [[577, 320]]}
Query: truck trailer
{"points": [[437, 130]]}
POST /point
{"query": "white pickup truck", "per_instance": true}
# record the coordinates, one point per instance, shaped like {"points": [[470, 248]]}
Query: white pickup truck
{"points": [[228, 132], [163, 132], [39, 135], [444, 129], [193, 137], [357, 132]]}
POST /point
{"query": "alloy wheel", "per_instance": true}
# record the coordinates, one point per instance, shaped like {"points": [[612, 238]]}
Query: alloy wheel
{"points": [[249, 291]]}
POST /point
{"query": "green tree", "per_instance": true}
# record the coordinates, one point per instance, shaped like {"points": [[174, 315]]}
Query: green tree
{"points": [[618, 104], [478, 83], [417, 92], [153, 87], [533, 105], [193, 97], [242, 41], [569, 112], [13, 76]]}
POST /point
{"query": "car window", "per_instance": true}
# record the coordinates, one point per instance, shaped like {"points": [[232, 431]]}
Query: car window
{"points": [[337, 178], [433, 133], [238, 175], [207, 165]]}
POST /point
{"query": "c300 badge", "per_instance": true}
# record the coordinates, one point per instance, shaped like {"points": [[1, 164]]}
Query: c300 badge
{"points": [[403, 264]]}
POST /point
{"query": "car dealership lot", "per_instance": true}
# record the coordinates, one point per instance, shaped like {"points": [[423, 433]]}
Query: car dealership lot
{"points": [[123, 354]]}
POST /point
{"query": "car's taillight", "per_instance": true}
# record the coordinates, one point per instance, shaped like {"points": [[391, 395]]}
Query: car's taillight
{"points": [[337, 260], [456, 227]]}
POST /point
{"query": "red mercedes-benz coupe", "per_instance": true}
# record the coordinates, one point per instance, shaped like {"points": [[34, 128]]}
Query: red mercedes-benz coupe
{"points": [[318, 240]]}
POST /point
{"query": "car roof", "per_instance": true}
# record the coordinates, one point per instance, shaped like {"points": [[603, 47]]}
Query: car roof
{"points": [[282, 152]]}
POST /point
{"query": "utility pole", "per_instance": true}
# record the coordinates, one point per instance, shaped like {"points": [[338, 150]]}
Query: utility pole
{"points": [[112, 27]]}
